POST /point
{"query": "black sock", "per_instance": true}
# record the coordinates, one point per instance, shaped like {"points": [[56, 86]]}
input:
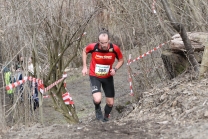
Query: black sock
{"points": [[97, 106], [107, 110]]}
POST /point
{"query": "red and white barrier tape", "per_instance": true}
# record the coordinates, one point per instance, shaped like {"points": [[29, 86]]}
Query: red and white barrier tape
{"points": [[147, 53], [46, 96], [34, 80], [153, 7], [13, 85], [130, 61], [130, 79], [66, 98], [43, 90]]}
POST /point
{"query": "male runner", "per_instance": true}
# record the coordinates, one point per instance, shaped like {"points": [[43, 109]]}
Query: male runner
{"points": [[101, 71]]}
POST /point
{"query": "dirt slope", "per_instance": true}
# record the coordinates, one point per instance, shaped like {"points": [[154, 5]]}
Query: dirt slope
{"points": [[176, 109]]}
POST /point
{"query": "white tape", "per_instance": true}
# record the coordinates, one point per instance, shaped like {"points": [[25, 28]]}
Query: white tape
{"points": [[64, 75]]}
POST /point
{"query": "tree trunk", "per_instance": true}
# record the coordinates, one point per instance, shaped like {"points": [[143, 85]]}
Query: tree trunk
{"points": [[181, 30], [68, 111], [36, 63], [204, 64], [174, 63], [2, 118]]}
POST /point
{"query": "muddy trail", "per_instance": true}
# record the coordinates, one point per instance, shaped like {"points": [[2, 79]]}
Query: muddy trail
{"points": [[175, 109]]}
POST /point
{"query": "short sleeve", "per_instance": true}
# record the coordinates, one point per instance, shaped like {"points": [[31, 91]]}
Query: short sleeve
{"points": [[90, 47], [118, 51]]}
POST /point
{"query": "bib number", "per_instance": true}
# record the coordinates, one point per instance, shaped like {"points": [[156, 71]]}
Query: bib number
{"points": [[101, 70]]}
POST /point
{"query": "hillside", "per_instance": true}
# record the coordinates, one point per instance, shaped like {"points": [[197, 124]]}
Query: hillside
{"points": [[174, 109]]}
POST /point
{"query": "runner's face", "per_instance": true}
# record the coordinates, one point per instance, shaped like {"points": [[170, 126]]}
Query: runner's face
{"points": [[104, 41]]}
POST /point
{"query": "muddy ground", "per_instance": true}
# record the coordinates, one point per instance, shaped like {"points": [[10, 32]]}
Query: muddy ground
{"points": [[177, 109]]}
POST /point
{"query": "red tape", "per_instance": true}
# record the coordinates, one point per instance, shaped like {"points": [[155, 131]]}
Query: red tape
{"points": [[130, 79], [131, 61], [34, 80], [66, 98], [43, 90], [15, 84], [147, 53]]}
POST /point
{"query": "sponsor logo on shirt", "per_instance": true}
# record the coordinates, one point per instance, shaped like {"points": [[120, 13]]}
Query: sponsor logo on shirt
{"points": [[102, 57], [111, 50]]}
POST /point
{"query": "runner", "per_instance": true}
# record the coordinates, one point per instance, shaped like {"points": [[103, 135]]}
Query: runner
{"points": [[101, 71]]}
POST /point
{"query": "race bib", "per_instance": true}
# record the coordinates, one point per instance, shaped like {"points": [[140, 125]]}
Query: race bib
{"points": [[101, 70]]}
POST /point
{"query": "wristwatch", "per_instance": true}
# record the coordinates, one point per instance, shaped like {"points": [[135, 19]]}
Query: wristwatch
{"points": [[115, 69]]}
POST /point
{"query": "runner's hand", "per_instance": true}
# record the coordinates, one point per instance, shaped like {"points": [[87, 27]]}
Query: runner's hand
{"points": [[112, 72], [84, 71]]}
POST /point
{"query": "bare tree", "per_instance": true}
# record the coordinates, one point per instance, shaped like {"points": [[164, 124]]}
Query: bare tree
{"points": [[58, 36], [51, 33], [141, 29], [179, 27], [2, 113]]}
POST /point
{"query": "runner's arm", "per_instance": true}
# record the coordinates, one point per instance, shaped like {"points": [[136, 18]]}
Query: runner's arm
{"points": [[119, 64], [84, 61], [119, 57]]}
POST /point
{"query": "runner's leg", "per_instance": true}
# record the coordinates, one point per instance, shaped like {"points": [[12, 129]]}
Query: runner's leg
{"points": [[108, 87], [97, 96]]}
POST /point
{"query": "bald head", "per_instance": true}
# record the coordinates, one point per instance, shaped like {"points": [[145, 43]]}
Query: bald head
{"points": [[103, 36], [103, 39]]}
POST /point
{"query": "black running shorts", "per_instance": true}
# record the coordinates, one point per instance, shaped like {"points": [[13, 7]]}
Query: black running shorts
{"points": [[107, 85]]}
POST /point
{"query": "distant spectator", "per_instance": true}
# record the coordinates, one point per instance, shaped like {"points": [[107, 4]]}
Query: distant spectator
{"points": [[18, 77], [8, 80], [34, 89]]}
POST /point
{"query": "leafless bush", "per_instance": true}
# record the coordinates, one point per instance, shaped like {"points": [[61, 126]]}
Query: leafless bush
{"points": [[51, 32], [141, 30]]}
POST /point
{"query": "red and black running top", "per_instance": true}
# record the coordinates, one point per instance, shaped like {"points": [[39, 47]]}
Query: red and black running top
{"points": [[102, 60]]}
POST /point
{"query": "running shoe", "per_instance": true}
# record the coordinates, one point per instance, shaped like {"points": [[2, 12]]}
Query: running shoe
{"points": [[99, 114], [106, 118]]}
